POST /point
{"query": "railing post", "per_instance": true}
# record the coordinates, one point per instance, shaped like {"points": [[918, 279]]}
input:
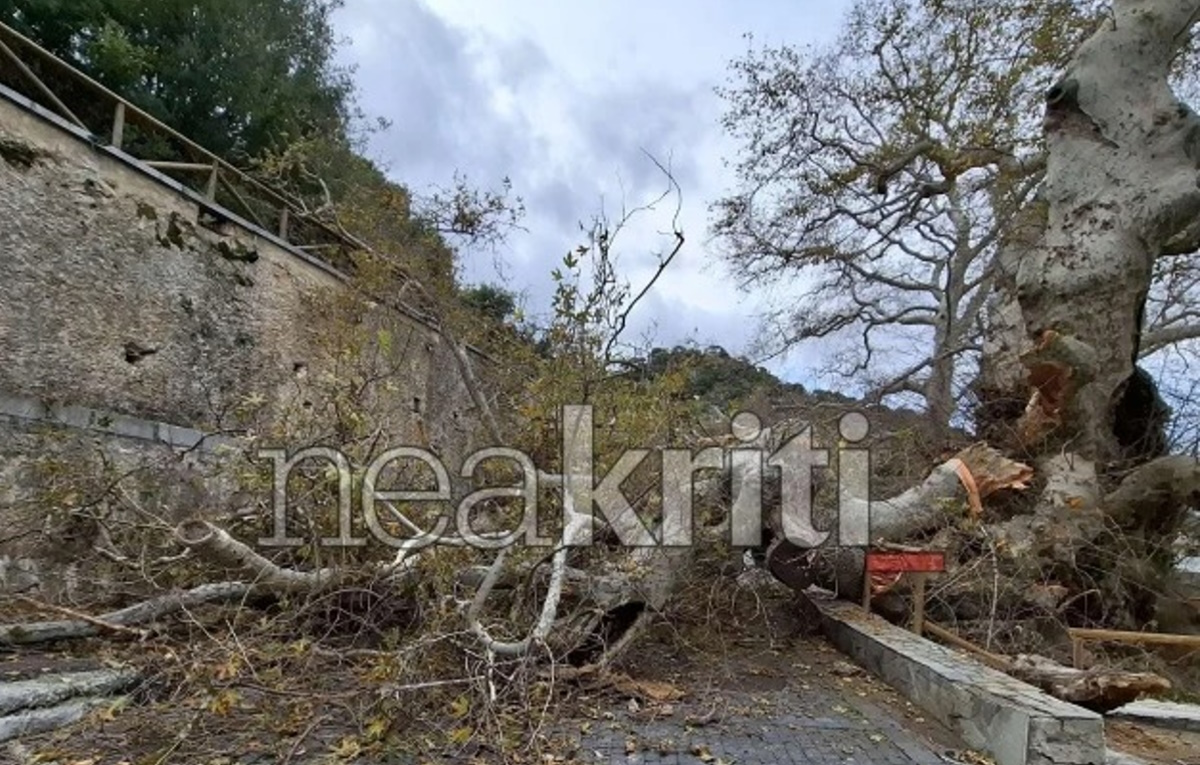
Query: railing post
{"points": [[211, 191], [118, 131], [283, 223], [46, 91]]}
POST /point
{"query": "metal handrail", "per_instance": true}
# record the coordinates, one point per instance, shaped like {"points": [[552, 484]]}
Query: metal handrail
{"points": [[218, 170]]}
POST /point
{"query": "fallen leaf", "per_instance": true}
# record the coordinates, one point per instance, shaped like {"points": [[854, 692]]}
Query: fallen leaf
{"points": [[376, 728], [347, 749], [647, 689], [224, 702], [459, 707]]}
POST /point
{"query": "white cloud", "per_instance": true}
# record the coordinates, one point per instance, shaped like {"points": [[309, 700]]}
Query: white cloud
{"points": [[563, 98]]}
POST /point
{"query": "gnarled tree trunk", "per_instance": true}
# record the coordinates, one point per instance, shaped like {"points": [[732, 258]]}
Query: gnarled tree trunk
{"points": [[1121, 183], [1059, 385]]}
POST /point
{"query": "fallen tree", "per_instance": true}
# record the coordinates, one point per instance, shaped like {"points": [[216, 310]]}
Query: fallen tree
{"points": [[1065, 412], [141, 613], [1059, 385], [216, 546], [1099, 689]]}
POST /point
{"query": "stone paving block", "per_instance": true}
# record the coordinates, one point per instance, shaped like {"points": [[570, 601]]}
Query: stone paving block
{"points": [[795, 730]]}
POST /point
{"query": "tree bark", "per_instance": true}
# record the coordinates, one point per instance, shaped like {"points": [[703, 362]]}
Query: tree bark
{"points": [[1121, 182], [140, 613], [1101, 690]]}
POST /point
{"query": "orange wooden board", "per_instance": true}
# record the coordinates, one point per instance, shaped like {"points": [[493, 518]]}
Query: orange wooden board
{"points": [[917, 562]]}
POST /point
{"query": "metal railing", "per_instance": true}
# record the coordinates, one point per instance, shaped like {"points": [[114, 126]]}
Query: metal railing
{"points": [[47, 80]]}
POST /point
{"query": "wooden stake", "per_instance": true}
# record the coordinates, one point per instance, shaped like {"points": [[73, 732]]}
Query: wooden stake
{"points": [[995, 661], [918, 616], [1143, 638], [118, 131]]}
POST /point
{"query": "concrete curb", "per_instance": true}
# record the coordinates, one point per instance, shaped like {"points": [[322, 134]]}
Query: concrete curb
{"points": [[1009, 720], [1163, 714]]}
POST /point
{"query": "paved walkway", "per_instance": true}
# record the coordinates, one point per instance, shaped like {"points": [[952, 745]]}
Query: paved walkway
{"points": [[787, 734], [807, 705], [739, 695]]}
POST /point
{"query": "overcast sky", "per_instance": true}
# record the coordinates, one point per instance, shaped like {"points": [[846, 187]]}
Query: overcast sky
{"points": [[563, 97]]}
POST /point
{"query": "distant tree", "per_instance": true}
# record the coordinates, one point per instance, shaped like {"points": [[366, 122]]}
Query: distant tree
{"points": [[473, 216], [339, 185], [494, 302], [883, 173], [239, 77], [714, 376]]}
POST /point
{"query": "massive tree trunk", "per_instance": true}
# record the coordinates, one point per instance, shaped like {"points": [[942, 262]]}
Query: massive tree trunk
{"points": [[939, 386], [1059, 385], [1121, 183]]}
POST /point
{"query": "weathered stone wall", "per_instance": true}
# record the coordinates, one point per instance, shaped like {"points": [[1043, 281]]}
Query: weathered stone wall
{"points": [[120, 293], [55, 480]]}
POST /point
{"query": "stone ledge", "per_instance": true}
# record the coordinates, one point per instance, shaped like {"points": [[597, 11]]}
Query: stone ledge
{"points": [[110, 423], [1011, 721]]}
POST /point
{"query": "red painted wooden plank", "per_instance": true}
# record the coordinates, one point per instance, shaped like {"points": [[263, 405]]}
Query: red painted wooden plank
{"points": [[920, 562]]}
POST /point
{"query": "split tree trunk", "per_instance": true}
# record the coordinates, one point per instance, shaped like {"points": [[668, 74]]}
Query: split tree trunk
{"points": [[1121, 182]]}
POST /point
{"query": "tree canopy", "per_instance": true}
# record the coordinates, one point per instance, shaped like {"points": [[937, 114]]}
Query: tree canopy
{"points": [[495, 303], [884, 171], [239, 77]]}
